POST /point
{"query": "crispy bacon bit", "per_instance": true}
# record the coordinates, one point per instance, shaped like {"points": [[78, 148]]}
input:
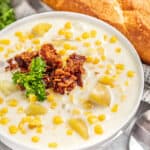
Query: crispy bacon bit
{"points": [[75, 66], [48, 53], [60, 79]]}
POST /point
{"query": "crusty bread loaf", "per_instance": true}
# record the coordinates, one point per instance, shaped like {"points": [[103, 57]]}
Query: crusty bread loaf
{"points": [[131, 17]]}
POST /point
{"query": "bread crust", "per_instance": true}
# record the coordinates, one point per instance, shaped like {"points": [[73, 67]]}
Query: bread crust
{"points": [[131, 17]]}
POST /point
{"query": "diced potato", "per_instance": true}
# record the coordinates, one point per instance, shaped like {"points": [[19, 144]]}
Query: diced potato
{"points": [[100, 95], [7, 87], [41, 28], [35, 109], [79, 126]]}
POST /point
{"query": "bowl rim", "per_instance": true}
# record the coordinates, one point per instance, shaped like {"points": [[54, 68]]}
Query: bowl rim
{"points": [[104, 25]]}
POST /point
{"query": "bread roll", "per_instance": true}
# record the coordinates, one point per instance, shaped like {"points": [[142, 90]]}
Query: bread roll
{"points": [[131, 17]]}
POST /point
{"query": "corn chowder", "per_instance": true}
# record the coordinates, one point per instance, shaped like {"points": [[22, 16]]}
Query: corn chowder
{"points": [[86, 114]]}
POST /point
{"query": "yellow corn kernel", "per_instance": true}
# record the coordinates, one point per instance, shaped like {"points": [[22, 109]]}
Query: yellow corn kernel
{"points": [[31, 36], [95, 61], [118, 50], [76, 112], [1, 49], [105, 37], [86, 44], [101, 50], [67, 46], [20, 109], [36, 122], [53, 105], [101, 117], [114, 108], [3, 111], [5, 41], [61, 32], [18, 46], [52, 145], [88, 105], [113, 39], [92, 119], [130, 73], [103, 57], [1, 100], [4, 120], [68, 35], [13, 129], [36, 41], [78, 39], [108, 80], [39, 130], [126, 83], [50, 98], [69, 132], [57, 120], [32, 98], [18, 34], [62, 52], [120, 66], [87, 113], [22, 129], [35, 139], [26, 119], [12, 103], [93, 33], [68, 25], [41, 28], [85, 35], [89, 59], [98, 129], [98, 43]]}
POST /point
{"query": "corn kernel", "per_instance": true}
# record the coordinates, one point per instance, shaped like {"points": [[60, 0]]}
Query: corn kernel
{"points": [[1, 49], [36, 41], [114, 108], [86, 44], [92, 119], [118, 50], [4, 120], [13, 129], [89, 59], [95, 61], [98, 43], [52, 145], [57, 120], [98, 129], [61, 32], [36, 122], [18, 34], [85, 35], [3, 111], [76, 112], [53, 105], [108, 80], [101, 117], [78, 39], [62, 52], [31, 36], [130, 73], [69, 132], [113, 39], [120, 66], [1, 100], [50, 98], [39, 129], [5, 41], [68, 25], [126, 83], [35, 139], [73, 47], [87, 105], [105, 37], [103, 57], [87, 113], [71, 98], [93, 33], [12, 103], [67, 46], [68, 35], [32, 98], [18, 46]]}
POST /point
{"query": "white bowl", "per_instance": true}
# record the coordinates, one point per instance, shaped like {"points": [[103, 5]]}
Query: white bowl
{"points": [[13, 143]]}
